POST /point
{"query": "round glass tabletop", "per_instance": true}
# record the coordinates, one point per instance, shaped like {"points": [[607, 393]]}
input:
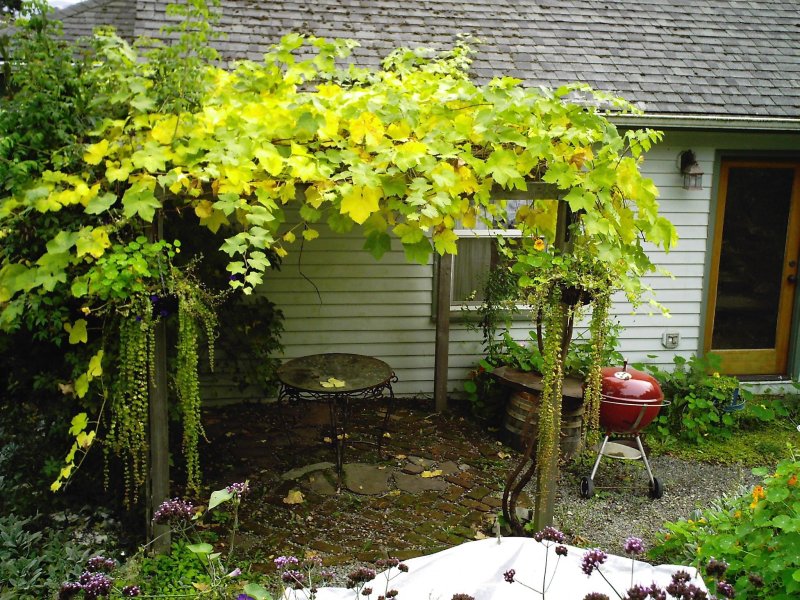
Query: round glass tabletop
{"points": [[334, 373]]}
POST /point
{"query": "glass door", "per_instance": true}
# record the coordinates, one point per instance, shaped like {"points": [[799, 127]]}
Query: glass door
{"points": [[754, 266]]}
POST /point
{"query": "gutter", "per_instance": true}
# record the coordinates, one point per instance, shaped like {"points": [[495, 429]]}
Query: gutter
{"points": [[733, 123]]}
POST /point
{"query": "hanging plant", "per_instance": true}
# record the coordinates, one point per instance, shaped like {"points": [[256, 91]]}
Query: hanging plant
{"points": [[195, 314]]}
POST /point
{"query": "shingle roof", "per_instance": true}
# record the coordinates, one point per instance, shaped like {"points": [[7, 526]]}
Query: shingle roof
{"points": [[738, 58]]}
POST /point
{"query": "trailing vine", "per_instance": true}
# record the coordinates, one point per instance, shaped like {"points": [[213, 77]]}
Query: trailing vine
{"points": [[195, 313], [129, 414], [598, 329]]}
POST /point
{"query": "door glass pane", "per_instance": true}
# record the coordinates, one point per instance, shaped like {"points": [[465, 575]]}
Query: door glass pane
{"points": [[751, 259]]}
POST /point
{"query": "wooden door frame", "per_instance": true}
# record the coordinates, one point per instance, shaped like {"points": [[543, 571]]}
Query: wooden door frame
{"points": [[762, 361]]}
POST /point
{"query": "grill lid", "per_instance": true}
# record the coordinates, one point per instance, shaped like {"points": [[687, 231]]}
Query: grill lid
{"points": [[628, 384]]}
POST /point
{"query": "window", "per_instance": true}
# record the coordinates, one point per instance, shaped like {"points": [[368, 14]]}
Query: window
{"points": [[478, 254]]}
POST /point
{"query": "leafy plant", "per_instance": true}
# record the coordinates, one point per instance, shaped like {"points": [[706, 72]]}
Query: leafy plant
{"points": [[699, 399], [757, 535]]}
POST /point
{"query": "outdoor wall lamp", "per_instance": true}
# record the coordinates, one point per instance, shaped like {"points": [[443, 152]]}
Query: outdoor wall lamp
{"points": [[691, 171]]}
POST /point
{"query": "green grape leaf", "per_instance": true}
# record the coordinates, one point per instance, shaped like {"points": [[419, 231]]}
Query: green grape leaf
{"points": [[377, 244], [77, 331], [100, 204], [140, 200]]}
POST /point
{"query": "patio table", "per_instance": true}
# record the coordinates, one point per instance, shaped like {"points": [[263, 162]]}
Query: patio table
{"points": [[337, 380]]}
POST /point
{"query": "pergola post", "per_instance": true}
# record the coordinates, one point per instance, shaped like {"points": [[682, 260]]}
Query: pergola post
{"points": [[443, 286], [158, 471]]}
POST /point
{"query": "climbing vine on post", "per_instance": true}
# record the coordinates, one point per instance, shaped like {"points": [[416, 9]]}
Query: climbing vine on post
{"points": [[408, 152]]}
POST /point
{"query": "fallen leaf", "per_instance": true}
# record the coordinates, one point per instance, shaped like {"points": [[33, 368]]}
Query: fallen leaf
{"points": [[326, 384], [394, 493], [401, 456], [327, 440], [201, 587], [480, 536], [503, 455], [294, 497], [386, 434], [428, 474]]}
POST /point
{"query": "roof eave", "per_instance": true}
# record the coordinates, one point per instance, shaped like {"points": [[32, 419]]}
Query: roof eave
{"points": [[709, 122]]}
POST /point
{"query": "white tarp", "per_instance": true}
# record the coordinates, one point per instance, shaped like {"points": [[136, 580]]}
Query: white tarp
{"points": [[477, 568]]}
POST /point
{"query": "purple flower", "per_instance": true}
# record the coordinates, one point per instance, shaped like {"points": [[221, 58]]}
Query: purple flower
{"points": [[462, 597], [656, 593], [69, 590], [95, 584], [100, 563], [726, 590], [238, 489], [360, 575], [551, 534], [509, 575], [173, 511], [244, 597], [367, 591], [392, 594], [633, 546], [235, 573], [326, 575], [637, 592], [716, 568], [595, 596], [295, 578], [592, 559], [756, 580], [282, 561], [561, 550], [131, 591]]}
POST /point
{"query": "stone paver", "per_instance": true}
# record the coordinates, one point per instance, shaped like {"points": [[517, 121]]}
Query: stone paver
{"points": [[366, 479], [414, 484]]}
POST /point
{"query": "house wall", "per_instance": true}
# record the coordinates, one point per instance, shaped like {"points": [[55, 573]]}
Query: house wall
{"points": [[337, 298]]}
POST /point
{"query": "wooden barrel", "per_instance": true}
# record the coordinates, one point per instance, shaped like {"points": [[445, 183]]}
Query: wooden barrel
{"points": [[523, 406]]}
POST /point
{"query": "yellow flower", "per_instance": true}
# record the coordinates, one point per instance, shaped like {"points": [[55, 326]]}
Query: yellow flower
{"points": [[85, 310], [538, 244], [716, 374], [758, 492]]}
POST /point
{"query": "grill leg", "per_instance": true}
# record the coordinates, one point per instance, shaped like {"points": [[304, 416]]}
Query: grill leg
{"points": [[599, 456], [644, 458]]}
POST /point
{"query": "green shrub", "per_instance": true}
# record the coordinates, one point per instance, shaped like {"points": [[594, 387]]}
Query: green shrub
{"points": [[699, 399], [757, 534]]}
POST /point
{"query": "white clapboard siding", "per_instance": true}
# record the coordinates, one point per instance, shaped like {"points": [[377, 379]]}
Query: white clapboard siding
{"points": [[384, 308]]}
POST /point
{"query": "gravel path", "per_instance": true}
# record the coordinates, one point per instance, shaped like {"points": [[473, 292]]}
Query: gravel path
{"points": [[606, 519]]}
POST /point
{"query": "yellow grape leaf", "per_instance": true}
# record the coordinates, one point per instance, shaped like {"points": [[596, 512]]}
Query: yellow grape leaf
{"points": [[118, 173], [294, 497], [55, 486], [269, 158], [398, 131], [78, 424], [429, 474], [96, 152], [95, 365], [85, 439], [310, 234], [77, 331], [366, 128], [289, 237], [332, 382], [215, 221], [165, 130], [386, 434], [66, 471], [204, 209], [360, 202], [81, 385]]}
